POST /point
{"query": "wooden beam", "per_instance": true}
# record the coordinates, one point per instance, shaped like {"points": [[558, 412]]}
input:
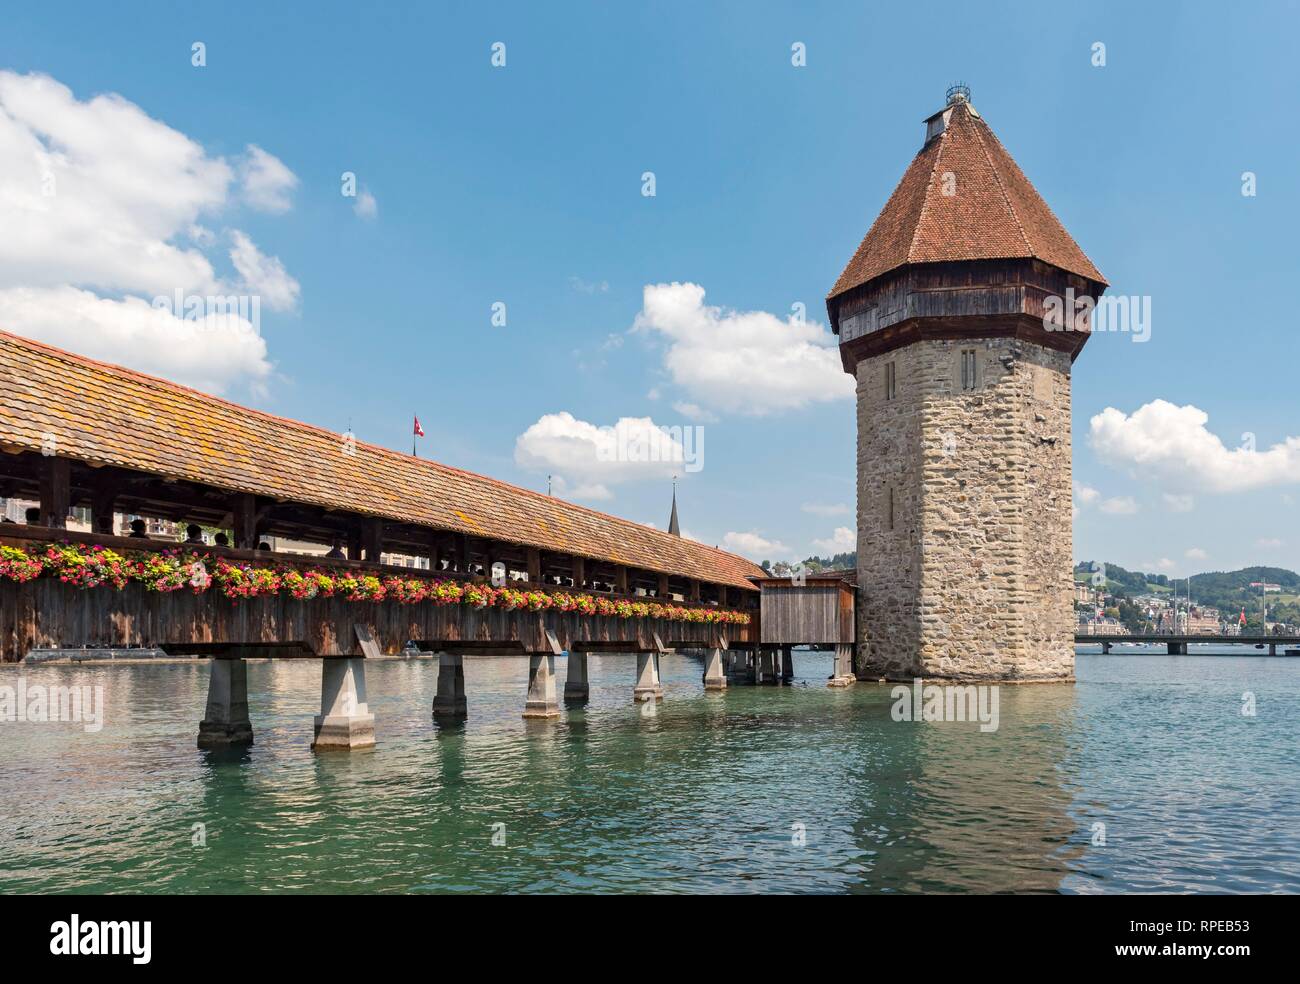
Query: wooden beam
{"points": [[102, 499], [620, 579], [534, 565], [462, 553], [56, 491], [354, 542], [662, 590], [245, 521], [372, 538], [579, 571], [695, 589]]}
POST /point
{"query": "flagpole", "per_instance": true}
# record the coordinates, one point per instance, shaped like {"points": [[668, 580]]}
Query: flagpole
{"points": [[413, 454]]}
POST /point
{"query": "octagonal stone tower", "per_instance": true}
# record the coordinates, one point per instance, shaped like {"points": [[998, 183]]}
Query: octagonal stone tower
{"points": [[963, 393]]}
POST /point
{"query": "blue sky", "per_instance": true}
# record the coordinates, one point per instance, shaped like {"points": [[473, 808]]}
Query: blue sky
{"points": [[522, 184]]}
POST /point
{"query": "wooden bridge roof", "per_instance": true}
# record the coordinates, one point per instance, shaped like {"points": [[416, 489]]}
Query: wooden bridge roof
{"points": [[107, 415], [990, 210]]}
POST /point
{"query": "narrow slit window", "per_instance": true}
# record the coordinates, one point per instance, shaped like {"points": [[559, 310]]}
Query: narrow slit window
{"points": [[891, 507], [891, 380], [967, 369]]}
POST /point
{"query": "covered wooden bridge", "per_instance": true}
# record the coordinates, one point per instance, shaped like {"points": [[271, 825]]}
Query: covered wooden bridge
{"points": [[502, 569]]}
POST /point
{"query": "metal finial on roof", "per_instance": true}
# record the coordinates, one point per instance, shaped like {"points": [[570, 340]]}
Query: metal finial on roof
{"points": [[958, 92], [673, 528]]}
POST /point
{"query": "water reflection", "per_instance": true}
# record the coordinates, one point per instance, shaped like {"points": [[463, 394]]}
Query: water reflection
{"points": [[760, 789]]}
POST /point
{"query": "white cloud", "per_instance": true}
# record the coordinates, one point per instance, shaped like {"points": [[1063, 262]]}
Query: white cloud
{"points": [[754, 546], [1195, 553], [98, 198], [589, 287], [267, 182], [587, 459], [743, 361], [1086, 494], [1120, 505], [825, 508], [263, 275], [1164, 564], [1173, 443], [693, 411], [206, 353], [1269, 542], [1178, 503], [366, 207], [843, 540]]}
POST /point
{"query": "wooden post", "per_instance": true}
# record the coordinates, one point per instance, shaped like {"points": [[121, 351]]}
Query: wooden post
{"points": [[56, 492], [102, 499], [662, 591], [245, 521], [620, 579], [579, 571], [695, 589], [534, 565], [372, 538], [435, 555], [354, 542]]}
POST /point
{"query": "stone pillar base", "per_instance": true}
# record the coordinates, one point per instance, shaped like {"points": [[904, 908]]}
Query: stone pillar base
{"points": [[715, 678], [647, 678], [450, 702], [343, 733], [541, 702], [576, 686], [344, 721], [842, 676], [222, 734], [225, 721]]}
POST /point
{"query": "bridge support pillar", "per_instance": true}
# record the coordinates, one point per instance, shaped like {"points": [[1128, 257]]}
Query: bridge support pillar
{"points": [[345, 721], [842, 676], [715, 678], [225, 722], [765, 672], [541, 701], [576, 686], [1105, 648], [1272, 648], [450, 702], [647, 678], [787, 664]]}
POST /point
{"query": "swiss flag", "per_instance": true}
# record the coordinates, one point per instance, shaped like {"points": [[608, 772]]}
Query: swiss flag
{"points": [[419, 431]]}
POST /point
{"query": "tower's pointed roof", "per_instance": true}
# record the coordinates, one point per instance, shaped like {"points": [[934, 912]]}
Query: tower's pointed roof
{"points": [[673, 528], [962, 198]]}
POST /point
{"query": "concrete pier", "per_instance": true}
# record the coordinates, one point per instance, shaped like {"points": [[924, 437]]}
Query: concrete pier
{"points": [[576, 686], [225, 722], [541, 701], [843, 673], [450, 702], [345, 721], [715, 677], [647, 678], [787, 664], [765, 672]]}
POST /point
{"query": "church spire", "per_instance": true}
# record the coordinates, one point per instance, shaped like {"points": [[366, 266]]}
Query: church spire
{"points": [[673, 528]]}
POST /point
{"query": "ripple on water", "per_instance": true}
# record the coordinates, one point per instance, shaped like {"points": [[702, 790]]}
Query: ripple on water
{"points": [[790, 789]]}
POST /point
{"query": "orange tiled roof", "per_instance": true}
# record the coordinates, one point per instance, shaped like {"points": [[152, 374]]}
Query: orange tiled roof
{"points": [[994, 212], [104, 413]]}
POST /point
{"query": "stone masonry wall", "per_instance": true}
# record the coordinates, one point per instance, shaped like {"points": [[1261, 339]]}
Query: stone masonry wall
{"points": [[972, 580]]}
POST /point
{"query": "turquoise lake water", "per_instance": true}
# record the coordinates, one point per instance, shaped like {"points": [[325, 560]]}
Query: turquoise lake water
{"points": [[774, 789]]}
